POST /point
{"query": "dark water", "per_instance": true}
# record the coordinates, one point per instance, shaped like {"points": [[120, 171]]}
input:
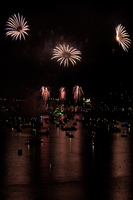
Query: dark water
{"points": [[80, 170]]}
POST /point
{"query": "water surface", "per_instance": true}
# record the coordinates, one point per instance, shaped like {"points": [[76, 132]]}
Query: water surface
{"points": [[79, 169]]}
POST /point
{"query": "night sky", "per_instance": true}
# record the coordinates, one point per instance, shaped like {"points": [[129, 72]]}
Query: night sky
{"points": [[87, 27]]}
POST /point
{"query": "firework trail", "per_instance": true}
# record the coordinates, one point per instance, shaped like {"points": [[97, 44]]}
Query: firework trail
{"points": [[17, 27], [122, 37], [78, 92], [45, 93], [65, 54], [62, 94]]}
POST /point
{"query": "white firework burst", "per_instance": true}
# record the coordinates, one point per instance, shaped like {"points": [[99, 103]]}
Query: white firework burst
{"points": [[65, 54], [17, 27], [122, 37]]}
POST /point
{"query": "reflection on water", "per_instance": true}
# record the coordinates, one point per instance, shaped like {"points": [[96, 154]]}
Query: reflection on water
{"points": [[60, 163], [121, 165], [15, 169]]}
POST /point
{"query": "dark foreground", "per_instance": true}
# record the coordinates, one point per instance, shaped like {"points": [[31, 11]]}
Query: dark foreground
{"points": [[66, 168]]}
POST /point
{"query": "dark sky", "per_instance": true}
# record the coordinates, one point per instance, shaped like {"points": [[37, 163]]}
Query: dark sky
{"points": [[88, 27]]}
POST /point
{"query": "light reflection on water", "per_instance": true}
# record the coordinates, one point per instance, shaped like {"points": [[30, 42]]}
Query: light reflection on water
{"points": [[15, 168], [121, 165], [74, 160]]}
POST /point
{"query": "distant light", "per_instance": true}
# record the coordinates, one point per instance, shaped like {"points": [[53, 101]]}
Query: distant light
{"points": [[87, 101]]}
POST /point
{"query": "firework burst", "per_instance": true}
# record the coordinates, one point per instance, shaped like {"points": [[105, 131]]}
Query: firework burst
{"points": [[78, 92], [62, 95], [65, 54], [122, 37], [45, 93], [17, 27]]}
